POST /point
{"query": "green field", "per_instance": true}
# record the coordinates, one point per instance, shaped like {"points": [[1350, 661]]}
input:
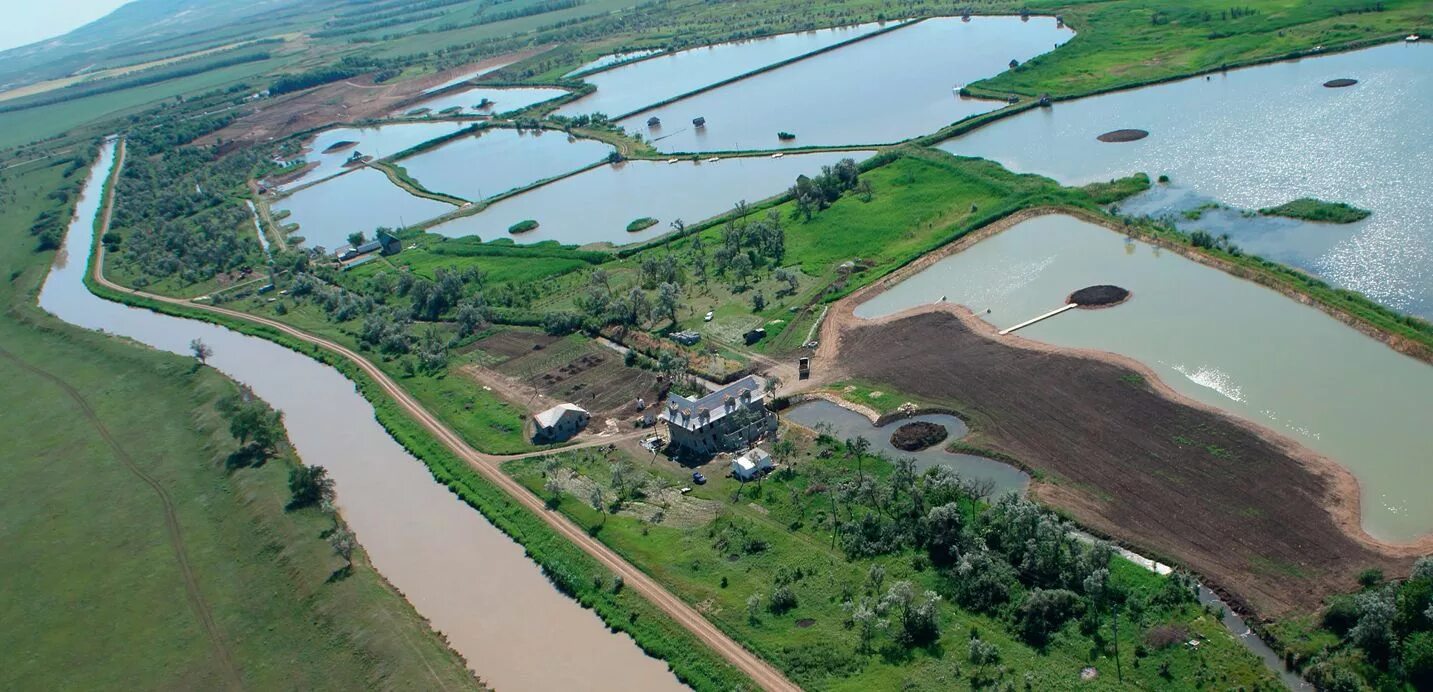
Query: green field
{"points": [[95, 597], [693, 548]]}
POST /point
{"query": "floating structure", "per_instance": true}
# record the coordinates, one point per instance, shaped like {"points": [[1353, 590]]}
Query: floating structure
{"points": [[699, 121], [785, 136], [654, 121], [1033, 320]]}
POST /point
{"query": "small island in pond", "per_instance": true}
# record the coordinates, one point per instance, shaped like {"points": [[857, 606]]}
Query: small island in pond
{"points": [[522, 226], [913, 437], [1098, 296], [1340, 82], [340, 146], [641, 224], [1310, 209], [1126, 135], [785, 136]]}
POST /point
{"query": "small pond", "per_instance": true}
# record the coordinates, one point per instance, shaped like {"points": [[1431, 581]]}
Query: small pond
{"points": [[1220, 340], [846, 424], [377, 142], [595, 206], [500, 100], [884, 89], [358, 201], [496, 160], [627, 88]]}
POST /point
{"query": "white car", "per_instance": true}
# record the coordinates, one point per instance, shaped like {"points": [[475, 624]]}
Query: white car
{"points": [[709, 317]]}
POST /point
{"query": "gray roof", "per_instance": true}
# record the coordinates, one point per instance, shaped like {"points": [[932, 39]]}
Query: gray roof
{"points": [[554, 415], [695, 413]]}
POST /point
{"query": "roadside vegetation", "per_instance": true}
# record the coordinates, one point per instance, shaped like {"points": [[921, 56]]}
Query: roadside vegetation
{"points": [[854, 571], [89, 477], [1309, 209]]}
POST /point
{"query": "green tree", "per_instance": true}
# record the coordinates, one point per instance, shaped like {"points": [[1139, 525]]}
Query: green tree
{"points": [[344, 543], [669, 301], [201, 351], [309, 485]]}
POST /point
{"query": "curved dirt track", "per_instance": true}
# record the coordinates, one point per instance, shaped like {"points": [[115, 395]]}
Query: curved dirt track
{"points": [[750, 664], [202, 612]]}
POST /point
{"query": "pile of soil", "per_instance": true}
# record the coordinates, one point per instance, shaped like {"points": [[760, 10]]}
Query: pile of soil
{"points": [[1102, 296], [913, 437], [1123, 135], [1219, 497], [1340, 82]]}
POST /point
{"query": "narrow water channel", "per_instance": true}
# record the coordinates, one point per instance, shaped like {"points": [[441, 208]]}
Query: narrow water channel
{"points": [[473, 583]]}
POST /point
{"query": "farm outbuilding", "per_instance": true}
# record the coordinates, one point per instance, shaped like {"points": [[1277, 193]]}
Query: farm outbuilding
{"points": [[752, 464], [559, 423]]}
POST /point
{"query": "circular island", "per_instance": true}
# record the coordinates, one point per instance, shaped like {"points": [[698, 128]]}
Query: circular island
{"points": [[1340, 82], [1126, 135], [913, 437], [1102, 296]]}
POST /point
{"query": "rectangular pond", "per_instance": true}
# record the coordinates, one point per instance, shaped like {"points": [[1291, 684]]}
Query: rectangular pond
{"points": [[612, 59], [624, 89], [359, 201], [496, 100], [1220, 340], [595, 206], [378, 142], [884, 89], [496, 160], [1259, 137]]}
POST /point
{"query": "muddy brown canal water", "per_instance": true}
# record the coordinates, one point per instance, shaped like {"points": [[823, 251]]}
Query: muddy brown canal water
{"points": [[473, 583]]}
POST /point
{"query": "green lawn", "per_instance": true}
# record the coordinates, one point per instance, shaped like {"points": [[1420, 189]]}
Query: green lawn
{"points": [[94, 597], [1128, 42]]}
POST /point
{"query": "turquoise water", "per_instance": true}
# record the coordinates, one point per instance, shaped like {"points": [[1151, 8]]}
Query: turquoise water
{"points": [[595, 206], [624, 89], [500, 159], [1220, 340], [359, 201], [881, 90], [1262, 136]]}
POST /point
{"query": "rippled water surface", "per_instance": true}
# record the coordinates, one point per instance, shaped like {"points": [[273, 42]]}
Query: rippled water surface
{"points": [[884, 89], [1260, 137], [1223, 341]]}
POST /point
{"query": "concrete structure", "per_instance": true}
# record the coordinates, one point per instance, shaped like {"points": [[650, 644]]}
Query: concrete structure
{"points": [[752, 464], [730, 418], [559, 423]]}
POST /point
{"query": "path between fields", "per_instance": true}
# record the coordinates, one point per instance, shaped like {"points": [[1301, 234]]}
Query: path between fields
{"points": [[761, 672], [196, 599]]}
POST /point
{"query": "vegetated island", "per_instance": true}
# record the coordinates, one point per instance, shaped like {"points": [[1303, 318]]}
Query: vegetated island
{"points": [[340, 146], [641, 224], [913, 437], [1102, 296], [1310, 209], [522, 226], [1126, 135]]}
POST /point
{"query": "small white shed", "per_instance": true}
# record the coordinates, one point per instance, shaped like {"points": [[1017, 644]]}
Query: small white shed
{"points": [[751, 464]]}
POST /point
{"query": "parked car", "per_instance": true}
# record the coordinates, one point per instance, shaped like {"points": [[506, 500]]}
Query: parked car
{"points": [[709, 316], [698, 478]]}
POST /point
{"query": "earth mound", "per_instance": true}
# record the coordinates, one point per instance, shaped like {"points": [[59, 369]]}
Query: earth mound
{"points": [[1340, 82], [1123, 135], [913, 437], [1098, 296]]}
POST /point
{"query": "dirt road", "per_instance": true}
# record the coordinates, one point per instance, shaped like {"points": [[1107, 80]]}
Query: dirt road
{"points": [[759, 671]]}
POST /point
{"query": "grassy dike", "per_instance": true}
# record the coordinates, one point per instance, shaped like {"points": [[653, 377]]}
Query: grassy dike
{"points": [[95, 593], [571, 570]]}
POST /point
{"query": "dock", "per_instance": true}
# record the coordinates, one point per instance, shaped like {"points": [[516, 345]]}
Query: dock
{"points": [[1048, 315]]}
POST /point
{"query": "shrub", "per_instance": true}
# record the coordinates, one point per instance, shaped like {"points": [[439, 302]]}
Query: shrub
{"points": [[641, 224], [783, 599], [522, 226]]}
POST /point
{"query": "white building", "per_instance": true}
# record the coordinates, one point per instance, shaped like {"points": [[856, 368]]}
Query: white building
{"points": [[752, 464], [559, 423]]}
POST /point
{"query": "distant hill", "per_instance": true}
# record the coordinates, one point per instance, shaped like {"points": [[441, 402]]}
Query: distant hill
{"points": [[145, 30]]}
